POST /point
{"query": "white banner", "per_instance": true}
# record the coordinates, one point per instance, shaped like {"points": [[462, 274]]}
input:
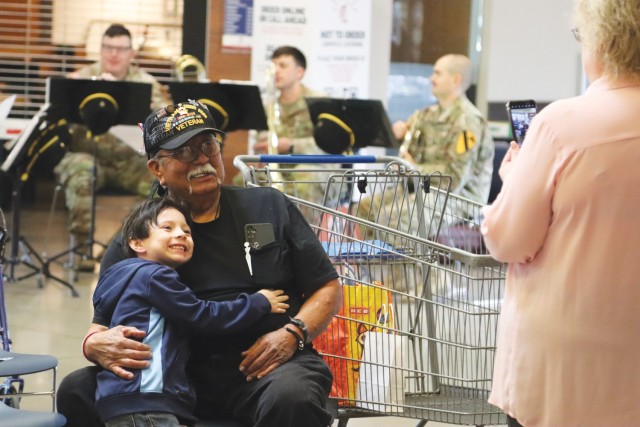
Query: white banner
{"points": [[277, 23], [341, 49], [336, 38]]}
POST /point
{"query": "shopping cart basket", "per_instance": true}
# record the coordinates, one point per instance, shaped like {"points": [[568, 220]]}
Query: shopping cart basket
{"points": [[416, 334]]}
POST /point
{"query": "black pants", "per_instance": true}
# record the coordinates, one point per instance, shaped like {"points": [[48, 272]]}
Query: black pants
{"points": [[294, 394]]}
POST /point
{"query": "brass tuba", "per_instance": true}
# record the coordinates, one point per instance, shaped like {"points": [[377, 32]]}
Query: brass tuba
{"points": [[188, 68]]}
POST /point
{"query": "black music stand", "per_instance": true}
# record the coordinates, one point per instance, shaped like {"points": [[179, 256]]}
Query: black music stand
{"points": [[97, 104], [44, 132], [367, 118], [233, 106]]}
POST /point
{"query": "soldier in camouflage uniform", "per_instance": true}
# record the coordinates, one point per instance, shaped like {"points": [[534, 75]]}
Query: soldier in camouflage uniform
{"points": [[290, 123], [450, 137], [118, 165]]}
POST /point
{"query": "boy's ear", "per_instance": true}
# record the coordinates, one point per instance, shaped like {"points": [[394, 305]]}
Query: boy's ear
{"points": [[136, 246]]}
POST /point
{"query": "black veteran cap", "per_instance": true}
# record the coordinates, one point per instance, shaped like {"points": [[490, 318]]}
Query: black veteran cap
{"points": [[174, 125], [99, 112], [333, 135], [341, 124]]}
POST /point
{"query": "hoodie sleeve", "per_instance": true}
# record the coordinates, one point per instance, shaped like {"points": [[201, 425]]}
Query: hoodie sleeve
{"points": [[179, 304]]}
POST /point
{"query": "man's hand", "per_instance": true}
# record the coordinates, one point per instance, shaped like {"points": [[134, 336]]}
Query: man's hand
{"points": [[262, 146], [114, 350], [268, 352], [405, 155], [399, 129]]}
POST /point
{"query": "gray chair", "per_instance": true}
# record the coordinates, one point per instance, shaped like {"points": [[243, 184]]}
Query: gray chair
{"points": [[12, 417], [14, 365]]}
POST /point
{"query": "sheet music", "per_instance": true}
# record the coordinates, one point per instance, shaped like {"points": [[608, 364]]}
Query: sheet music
{"points": [[5, 108]]}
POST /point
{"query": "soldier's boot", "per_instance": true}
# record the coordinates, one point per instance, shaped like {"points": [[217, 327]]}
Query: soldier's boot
{"points": [[82, 259]]}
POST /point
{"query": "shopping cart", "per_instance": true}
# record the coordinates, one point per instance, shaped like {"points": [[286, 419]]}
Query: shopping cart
{"points": [[417, 332]]}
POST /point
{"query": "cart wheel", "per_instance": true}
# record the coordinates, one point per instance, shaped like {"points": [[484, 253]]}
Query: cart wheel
{"points": [[13, 402]]}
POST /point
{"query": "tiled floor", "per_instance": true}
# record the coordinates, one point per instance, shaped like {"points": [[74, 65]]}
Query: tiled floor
{"points": [[47, 319]]}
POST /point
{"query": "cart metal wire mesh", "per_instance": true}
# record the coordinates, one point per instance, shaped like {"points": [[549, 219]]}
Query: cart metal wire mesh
{"points": [[416, 334]]}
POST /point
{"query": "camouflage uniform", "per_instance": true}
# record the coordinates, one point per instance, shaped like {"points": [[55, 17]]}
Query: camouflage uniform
{"points": [[295, 123], [118, 165], [454, 141]]}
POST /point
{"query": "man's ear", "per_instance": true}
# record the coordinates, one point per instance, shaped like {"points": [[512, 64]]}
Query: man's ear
{"points": [[136, 246], [457, 78], [154, 166]]}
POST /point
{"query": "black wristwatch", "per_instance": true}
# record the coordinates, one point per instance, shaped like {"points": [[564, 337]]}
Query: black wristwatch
{"points": [[303, 327]]}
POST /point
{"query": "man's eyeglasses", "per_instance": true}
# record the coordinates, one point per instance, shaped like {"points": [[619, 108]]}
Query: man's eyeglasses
{"points": [[116, 49], [576, 33], [188, 153]]}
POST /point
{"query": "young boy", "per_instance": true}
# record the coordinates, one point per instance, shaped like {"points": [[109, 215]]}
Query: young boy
{"points": [[145, 291]]}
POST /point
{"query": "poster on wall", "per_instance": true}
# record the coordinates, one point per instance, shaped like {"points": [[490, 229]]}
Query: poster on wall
{"points": [[277, 23], [345, 59], [238, 26], [341, 48]]}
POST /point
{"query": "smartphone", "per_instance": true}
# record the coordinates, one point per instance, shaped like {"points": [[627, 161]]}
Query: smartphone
{"points": [[520, 115], [259, 235]]}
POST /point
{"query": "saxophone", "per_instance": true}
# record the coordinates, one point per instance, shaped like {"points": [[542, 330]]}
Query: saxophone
{"points": [[413, 143], [273, 122], [273, 109], [189, 68]]}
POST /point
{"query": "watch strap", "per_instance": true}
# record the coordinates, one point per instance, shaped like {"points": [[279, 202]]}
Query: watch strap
{"points": [[298, 338]]}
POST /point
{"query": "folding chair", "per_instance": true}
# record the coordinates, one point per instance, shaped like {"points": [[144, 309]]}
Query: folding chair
{"points": [[13, 366], [12, 417]]}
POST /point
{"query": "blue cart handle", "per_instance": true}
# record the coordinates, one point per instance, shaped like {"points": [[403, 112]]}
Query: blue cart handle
{"points": [[315, 158]]}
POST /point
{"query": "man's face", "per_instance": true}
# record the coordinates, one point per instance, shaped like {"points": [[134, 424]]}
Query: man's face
{"points": [[116, 54], [444, 84], [288, 73], [202, 176]]}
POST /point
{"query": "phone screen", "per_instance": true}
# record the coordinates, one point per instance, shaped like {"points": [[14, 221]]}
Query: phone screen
{"points": [[520, 115]]}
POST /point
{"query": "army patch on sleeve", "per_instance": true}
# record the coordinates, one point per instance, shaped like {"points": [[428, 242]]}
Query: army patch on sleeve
{"points": [[466, 141]]}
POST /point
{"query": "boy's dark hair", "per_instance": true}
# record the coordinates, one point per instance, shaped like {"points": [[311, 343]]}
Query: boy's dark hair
{"points": [[298, 56], [116, 30], [138, 223]]}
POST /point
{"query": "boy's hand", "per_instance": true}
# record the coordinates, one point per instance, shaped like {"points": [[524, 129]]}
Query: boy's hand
{"points": [[277, 300]]}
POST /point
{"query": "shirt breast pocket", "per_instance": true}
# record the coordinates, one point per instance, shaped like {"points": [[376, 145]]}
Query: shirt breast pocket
{"points": [[271, 265], [269, 257]]}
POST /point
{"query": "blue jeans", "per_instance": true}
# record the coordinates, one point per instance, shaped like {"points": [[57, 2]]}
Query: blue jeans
{"points": [[149, 419]]}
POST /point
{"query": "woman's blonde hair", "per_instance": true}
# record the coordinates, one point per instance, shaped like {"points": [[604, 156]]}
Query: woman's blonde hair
{"points": [[610, 29]]}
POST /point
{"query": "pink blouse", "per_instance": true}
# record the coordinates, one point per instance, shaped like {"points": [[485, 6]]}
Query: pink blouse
{"points": [[568, 223]]}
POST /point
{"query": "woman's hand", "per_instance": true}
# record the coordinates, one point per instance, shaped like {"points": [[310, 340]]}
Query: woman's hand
{"points": [[114, 349], [507, 161]]}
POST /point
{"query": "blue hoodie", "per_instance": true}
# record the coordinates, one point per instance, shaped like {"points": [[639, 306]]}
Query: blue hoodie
{"points": [[151, 297]]}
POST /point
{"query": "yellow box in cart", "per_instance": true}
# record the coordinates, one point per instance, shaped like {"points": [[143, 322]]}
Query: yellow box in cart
{"points": [[342, 343]]}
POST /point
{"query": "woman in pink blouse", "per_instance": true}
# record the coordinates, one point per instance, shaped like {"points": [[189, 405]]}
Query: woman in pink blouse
{"points": [[568, 223]]}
